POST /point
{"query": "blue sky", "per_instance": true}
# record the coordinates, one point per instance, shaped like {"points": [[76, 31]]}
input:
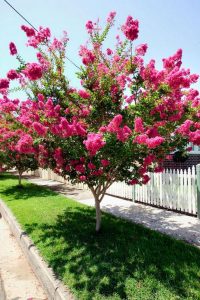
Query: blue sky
{"points": [[165, 25]]}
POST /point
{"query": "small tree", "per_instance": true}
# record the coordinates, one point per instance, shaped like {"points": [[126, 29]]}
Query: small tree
{"points": [[123, 122], [16, 145]]}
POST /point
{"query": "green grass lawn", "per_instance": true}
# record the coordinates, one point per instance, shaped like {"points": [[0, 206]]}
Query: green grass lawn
{"points": [[125, 261]]}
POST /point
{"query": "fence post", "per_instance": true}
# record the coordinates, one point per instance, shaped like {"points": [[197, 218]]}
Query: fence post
{"points": [[198, 190], [133, 192]]}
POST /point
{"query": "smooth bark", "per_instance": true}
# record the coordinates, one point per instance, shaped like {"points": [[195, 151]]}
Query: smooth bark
{"points": [[98, 214], [20, 178]]}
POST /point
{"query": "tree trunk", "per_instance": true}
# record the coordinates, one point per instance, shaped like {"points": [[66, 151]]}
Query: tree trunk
{"points": [[98, 214], [20, 178], [98, 193]]}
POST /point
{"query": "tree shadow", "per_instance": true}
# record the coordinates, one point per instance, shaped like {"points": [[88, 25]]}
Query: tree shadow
{"points": [[26, 191], [5, 176], [124, 259]]}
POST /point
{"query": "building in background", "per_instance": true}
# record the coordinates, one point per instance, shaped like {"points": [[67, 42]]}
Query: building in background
{"points": [[193, 160]]}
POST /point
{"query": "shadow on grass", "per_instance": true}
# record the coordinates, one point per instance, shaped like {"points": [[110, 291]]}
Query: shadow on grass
{"points": [[5, 176], [124, 261], [25, 192]]}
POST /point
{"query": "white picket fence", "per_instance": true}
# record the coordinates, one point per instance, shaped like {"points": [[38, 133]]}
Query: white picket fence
{"points": [[172, 189]]}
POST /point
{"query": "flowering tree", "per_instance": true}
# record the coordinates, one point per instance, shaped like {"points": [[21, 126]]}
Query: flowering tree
{"points": [[16, 144], [123, 122]]}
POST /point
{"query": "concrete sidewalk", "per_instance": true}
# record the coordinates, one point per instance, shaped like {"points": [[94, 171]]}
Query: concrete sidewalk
{"points": [[17, 280], [180, 226]]}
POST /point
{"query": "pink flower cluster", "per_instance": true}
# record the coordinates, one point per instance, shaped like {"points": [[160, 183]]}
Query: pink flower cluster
{"points": [[84, 94], [111, 17], [122, 133], [4, 83], [28, 30], [191, 130], [131, 28], [89, 26], [141, 49], [87, 56], [33, 71], [151, 143], [94, 143], [173, 61], [12, 74], [139, 127], [36, 38], [40, 129], [58, 156], [13, 49], [66, 129], [25, 144]]}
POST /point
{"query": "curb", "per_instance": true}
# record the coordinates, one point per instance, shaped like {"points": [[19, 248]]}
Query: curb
{"points": [[2, 291], [53, 287]]}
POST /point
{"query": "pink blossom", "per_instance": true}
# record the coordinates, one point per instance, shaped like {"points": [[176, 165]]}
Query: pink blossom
{"points": [[13, 49], [189, 149], [109, 51], [12, 74], [58, 156], [89, 26], [4, 83], [68, 168], [39, 128], [133, 181], [131, 28], [80, 130], [139, 125], [130, 99], [111, 17], [57, 45], [40, 97], [82, 159], [185, 127], [154, 142], [103, 129], [142, 170], [28, 30], [43, 34], [82, 178], [113, 126], [94, 143], [33, 71], [173, 61], [25, 144], [141, 139], [124, 133], [44, 63], [145, 179], [98, 172], [91, 166], [149, 159], [158, 169], [105, 162], [84, 94], [80, 168], [84, 112], [194, 137], [141, 49], [121, 80], [87, 56]]}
